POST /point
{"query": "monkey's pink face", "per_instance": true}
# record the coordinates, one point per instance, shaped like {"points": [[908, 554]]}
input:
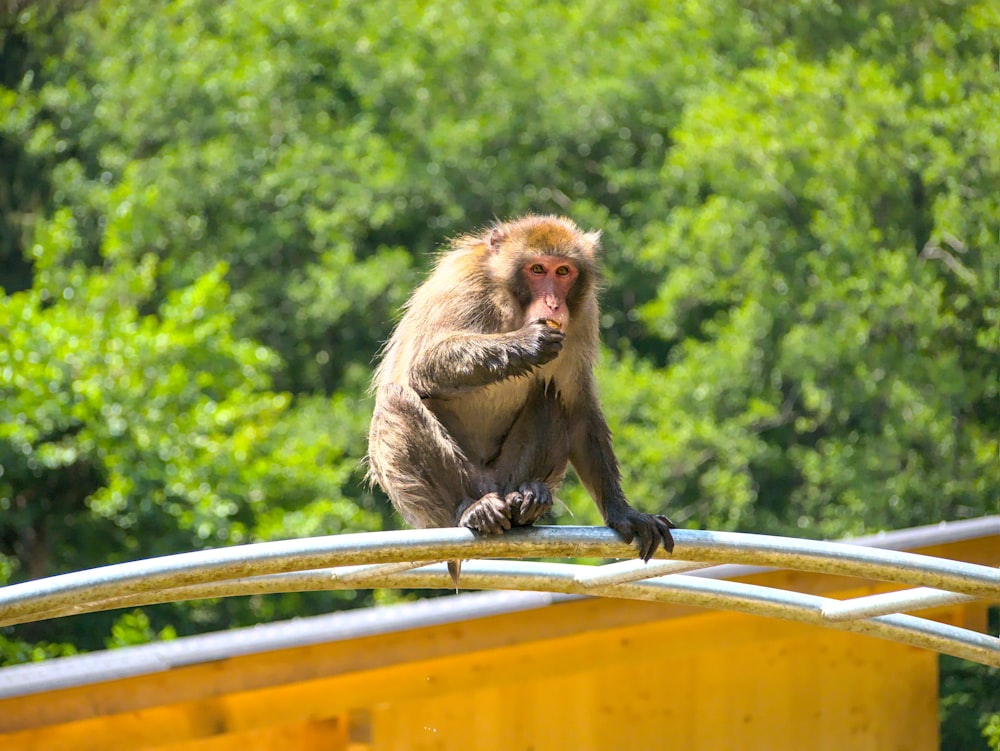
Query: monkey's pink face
{"points": [[550, 278]]}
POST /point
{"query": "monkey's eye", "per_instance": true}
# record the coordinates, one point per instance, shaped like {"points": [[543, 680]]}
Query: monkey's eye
{"points": [[538, 269], [562, 271]]}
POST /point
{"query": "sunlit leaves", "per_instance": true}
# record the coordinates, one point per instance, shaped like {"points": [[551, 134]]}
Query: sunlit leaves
{"points": [[808, 185]]}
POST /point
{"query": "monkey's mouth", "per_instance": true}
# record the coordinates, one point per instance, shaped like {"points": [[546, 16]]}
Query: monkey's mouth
{"points": [[553, 324]]}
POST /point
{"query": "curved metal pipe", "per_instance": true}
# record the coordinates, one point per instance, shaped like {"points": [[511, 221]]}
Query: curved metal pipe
{"points": [[400, 560], [27, 601], [566, 579], [892, 602]]}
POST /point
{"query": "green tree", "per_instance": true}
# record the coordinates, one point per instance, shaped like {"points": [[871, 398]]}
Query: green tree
{"points": [[126, 434], [210, 213]]}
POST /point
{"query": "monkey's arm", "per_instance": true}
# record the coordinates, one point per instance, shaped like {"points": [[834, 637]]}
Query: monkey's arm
{"points": [[463, 361], [594, 460]]}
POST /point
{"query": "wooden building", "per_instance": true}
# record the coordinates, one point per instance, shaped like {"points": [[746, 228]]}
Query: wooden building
{"points": [[507, 670]]}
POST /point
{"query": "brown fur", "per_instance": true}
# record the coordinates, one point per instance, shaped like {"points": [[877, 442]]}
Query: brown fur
{"points": [[478, 411]]}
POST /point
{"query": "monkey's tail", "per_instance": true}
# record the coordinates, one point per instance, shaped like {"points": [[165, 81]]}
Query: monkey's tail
{"points": [[455, 569]]}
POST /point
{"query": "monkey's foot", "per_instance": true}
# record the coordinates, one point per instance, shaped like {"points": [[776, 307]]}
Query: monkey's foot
{"points": [[648, 530], [529, 503], [489, 515]]}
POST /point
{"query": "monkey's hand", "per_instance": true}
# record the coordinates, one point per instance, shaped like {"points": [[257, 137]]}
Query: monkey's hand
{"points": [[489, 515], [529, 503], [648, 530], [541, 342]]}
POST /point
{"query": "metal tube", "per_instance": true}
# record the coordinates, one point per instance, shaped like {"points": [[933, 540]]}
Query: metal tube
{"points": [[630, 571], [564, 578], [24, 602], [347, 577], [891, 602], [721, 595]]}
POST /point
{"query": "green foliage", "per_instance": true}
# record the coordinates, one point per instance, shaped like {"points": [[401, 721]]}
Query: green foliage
{"points": [[970, 702], [126, 434], [210, 213], [826, 316], [15, 651], [991, 732], [134, 628]]}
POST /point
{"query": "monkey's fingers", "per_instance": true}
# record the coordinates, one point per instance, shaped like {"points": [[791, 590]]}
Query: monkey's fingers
{"points": [[548, 351], [547, 342], [488, 515], [663, 526], [515, 508], [655, 529], [623, 528], [529, 503], [648, 539], [648, 531]]}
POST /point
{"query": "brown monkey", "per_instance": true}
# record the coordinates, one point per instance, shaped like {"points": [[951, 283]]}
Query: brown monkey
{"points": [[486, 389]]}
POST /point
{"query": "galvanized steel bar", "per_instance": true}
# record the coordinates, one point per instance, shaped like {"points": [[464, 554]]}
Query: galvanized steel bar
{"points": [[892, 602], [401, 559], [367, 576], [563, 578], [720, 594], [29, 600], [630, 571], [347, 577]]}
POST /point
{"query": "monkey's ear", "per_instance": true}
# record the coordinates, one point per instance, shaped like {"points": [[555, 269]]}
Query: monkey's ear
{"points": [[591, 245], [497, 236]]}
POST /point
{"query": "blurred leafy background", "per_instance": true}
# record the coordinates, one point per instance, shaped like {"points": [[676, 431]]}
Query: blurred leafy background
{"points": [[211, 210]]}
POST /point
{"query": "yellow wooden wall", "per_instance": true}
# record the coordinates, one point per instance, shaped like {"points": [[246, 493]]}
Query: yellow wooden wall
{"points": [[641, 689], [588, 674], [713, 681]]}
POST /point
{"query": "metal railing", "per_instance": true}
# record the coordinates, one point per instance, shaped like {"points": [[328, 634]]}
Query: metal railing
{"points": [[415, 559]]}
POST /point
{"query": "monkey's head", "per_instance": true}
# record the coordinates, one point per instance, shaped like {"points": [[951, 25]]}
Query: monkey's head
{"points": [[549, 264]]}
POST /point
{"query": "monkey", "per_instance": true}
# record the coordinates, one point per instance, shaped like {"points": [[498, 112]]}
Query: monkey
{"points": [[485, 390]]}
